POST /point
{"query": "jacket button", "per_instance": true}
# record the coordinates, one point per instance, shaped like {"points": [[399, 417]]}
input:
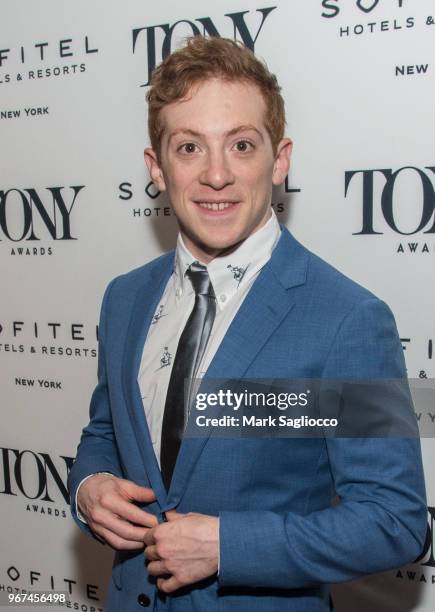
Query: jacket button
{"points": [[143, 600]]}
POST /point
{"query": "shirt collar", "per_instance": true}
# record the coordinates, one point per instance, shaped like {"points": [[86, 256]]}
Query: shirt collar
{"points": [[230, 273]]}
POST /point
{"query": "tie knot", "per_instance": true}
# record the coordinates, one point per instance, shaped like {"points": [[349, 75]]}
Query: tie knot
{"points": [[200, 279]]}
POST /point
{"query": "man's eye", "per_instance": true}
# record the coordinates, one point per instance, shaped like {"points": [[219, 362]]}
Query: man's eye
{"points": [[187, 147], [244, 145]]}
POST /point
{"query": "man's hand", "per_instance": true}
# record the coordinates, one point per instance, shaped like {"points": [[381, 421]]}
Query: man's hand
{"points": [[107, 504], [186, 548]]}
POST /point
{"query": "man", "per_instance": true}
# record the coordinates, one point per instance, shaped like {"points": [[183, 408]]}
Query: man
{"points": [[235, 524]]}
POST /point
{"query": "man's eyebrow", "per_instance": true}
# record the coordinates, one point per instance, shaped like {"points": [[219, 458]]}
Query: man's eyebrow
{"points": [[232, 132], [185, 131], [244, 128]]}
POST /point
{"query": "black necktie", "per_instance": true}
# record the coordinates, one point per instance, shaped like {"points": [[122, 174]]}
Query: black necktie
{"points": [[190, 351]]}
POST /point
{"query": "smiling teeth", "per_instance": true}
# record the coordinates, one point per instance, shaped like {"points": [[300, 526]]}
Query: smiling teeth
{"points": [[215, 205]]}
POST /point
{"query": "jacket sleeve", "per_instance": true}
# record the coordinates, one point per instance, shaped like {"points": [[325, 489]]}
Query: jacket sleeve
{"points": [[97, 451], [381, 520]]}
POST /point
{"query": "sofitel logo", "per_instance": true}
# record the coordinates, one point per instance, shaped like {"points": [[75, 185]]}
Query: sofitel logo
{"points": [[62, 48], [201, 25], [37, 213], [364, 10], [34, 475], [65, 50], [126, 193], [380, 193], [332, 7]]}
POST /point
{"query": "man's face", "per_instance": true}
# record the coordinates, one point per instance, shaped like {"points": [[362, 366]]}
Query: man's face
{"points": [[217, 165]]}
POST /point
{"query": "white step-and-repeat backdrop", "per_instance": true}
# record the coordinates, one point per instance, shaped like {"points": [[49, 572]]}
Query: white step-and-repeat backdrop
{"points": [[77, 208]]}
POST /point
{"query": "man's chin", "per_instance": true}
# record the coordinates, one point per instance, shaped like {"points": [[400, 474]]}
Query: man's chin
{"points": [[209, 250], [221, 248]]}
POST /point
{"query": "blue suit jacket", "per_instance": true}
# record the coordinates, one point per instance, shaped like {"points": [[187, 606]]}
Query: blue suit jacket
{"points": [[281, 542]]}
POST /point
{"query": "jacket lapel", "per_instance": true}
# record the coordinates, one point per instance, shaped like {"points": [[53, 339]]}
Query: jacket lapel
{"points": [[144, 307], [270, 299]]}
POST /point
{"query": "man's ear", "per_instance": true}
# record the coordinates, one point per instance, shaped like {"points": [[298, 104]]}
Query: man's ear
{"points": [[154, 169], [282, 161]]}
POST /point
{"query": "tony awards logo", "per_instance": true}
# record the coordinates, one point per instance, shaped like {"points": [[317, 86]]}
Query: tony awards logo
{"points": [[30, 215], [155, 42]]}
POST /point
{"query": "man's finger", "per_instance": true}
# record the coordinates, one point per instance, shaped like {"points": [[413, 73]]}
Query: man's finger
{"points": [[128, 511], [124, 529], [157, 568], [117, 542], [121, 528], [168, 585], [149, 537], [150, 553], [138, 493]]}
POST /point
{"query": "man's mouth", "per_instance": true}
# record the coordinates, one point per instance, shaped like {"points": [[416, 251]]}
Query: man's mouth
{"points": [[216, 205]]}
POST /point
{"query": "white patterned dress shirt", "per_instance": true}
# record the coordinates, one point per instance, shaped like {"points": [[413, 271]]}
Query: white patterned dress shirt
{"points": [[231, 276]]}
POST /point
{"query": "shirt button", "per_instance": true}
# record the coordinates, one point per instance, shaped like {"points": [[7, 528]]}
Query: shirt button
{"points": [[143, 600], [223, 297], [179, 293]]}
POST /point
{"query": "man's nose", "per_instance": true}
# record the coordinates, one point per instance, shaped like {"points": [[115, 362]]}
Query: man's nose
{"points": [[217, 172]]}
